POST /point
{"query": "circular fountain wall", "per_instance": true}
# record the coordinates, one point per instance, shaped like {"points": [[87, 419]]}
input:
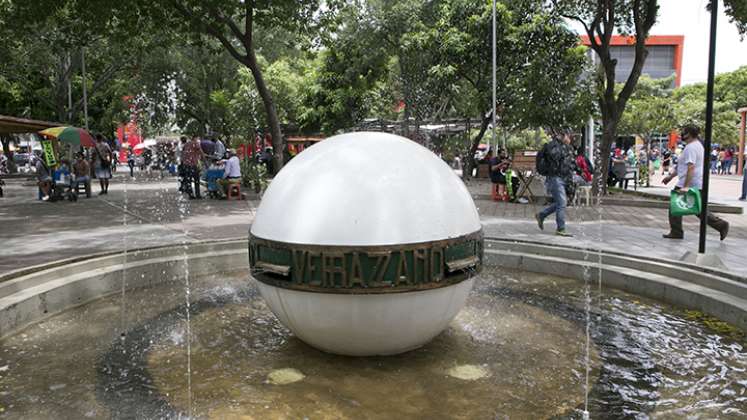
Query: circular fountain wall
{"points": [[366, 244], [517, 349]]}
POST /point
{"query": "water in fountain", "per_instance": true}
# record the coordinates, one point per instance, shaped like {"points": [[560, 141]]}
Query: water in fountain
{"points": [[513, 351]]}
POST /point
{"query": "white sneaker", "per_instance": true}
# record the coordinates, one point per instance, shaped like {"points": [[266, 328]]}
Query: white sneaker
{"points": [[45, 198]]}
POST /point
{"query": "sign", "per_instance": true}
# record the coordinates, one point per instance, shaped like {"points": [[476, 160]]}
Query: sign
{"points": [[49, 156], [366, 269]]}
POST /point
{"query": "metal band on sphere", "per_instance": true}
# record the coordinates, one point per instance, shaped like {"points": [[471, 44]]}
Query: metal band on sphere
{"points": [[372, 269]]}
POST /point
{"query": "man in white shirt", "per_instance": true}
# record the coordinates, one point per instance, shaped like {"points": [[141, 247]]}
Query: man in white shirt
{"points": [[220, 149], [689, 173], [231, 172]]}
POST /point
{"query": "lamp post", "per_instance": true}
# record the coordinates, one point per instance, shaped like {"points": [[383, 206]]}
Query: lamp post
{"points": [[708, 125], [85, 89], [494, 74]]}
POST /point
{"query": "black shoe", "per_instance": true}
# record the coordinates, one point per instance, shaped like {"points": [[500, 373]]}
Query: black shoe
{"points": [[742, 198], [540, 222], [724, 231], [671, 235]]}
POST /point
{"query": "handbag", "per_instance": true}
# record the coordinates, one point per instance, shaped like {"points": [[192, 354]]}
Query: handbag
{"points": [[685, 204], [105, 164]]}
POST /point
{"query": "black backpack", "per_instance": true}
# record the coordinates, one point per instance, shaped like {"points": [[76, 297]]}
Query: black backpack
{"points": [[543, 166]]}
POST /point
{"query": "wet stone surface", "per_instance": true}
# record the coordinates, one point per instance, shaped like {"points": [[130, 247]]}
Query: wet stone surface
{"points": [[517, 350]]}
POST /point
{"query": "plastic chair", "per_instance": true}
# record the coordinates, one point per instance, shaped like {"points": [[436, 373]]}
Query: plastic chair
{"points": [[585, 191]]}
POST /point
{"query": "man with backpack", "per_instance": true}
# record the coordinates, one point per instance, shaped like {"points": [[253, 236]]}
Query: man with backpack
{"points": [[555, 161]]}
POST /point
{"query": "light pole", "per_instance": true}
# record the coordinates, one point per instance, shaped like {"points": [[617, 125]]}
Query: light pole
{"points": [[708, 126], [494, 72], [85, 82]]}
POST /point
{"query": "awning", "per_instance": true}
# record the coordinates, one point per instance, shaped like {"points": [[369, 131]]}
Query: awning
{"points": [[22, 125]]}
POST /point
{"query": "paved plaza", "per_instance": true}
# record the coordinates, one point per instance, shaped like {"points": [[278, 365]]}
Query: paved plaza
{"points": [[148, 211]]}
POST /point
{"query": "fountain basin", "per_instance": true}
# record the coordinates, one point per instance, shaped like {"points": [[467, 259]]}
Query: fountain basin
{"points": [[520, 335]]}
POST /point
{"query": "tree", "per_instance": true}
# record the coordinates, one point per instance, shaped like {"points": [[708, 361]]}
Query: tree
{"points": [[737, 10], [539, 65], [729, 94], [233, 24], [435, 57], [650, 110], [600, 19]]}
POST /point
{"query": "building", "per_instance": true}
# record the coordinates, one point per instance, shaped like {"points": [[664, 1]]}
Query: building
{"points": [[664, 60], [664, 56]]}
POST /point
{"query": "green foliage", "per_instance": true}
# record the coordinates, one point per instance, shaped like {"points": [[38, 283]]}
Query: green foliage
{"points": [[737, 10], [253, 175], [655, 108], [435, 57], [650, 109], [730, 94]]}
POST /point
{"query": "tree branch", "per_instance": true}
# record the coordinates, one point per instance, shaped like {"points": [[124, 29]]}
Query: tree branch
{"points": [[210, 30]]}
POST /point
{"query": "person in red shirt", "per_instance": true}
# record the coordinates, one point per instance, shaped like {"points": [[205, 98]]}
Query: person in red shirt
{"points": [[191, 156]]}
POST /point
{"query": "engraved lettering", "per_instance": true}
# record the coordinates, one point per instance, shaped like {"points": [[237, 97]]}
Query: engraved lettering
{"points": [[437, 264], [355, 273], [331, 269], [314, 272], [379, 270], [300, 260], [403, 276], [420, 259]]}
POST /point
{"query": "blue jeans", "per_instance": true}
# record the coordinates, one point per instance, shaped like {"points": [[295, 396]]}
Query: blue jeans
{"points": [[556, 188], [744, 183]]}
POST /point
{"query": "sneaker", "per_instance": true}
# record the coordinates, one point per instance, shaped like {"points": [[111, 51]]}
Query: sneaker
{"points": [[45, 198], [671, 235], [540, 222], [742, 198], [563, 232], [723, 232]]}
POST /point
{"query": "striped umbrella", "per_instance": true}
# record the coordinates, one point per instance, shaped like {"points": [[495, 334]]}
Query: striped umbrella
{"points": [[71, 135]]}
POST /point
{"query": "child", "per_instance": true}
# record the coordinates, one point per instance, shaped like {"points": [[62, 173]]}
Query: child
{"points": [[500, 167]]}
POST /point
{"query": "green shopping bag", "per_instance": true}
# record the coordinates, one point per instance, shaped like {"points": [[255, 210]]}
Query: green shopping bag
{"points": [[685, 204]]}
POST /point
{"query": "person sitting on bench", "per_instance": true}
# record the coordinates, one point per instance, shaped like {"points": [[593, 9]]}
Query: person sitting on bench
{"points": [[82, 172]]}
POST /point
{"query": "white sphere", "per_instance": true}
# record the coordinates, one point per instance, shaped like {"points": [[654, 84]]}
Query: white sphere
{"points": [[366, 189]]}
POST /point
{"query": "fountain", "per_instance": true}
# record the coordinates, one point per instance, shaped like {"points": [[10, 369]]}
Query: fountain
{"points": [[511, 342], [366, 245]]}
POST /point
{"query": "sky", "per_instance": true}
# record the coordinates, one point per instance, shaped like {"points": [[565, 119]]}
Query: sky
{"points": [[690, 18]]}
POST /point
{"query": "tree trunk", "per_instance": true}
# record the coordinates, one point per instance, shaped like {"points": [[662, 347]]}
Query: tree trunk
{"points": [[609, 135], [469, 160], [278, 142]]}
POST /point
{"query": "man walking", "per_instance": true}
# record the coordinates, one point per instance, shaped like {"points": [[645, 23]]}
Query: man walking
{"points": [[689, 173], [191, 156], [556, 163]]}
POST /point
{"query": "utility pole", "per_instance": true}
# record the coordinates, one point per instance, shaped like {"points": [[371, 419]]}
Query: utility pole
{"points": [[69, 88], [494, 72], [708, 126], [85, 89]]}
